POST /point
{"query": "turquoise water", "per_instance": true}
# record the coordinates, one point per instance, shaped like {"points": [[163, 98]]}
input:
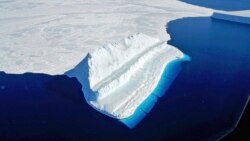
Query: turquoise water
{"points": [[170, 72]]}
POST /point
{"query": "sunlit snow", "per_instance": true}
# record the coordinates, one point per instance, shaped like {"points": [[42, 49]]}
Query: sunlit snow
{"points": [[51, 36]]}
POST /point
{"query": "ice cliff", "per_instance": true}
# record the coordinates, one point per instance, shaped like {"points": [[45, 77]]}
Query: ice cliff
{"points": [[236, 16]]}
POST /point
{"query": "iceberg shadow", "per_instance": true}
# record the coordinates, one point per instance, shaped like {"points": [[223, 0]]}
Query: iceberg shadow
{"points": [[82, 75]]}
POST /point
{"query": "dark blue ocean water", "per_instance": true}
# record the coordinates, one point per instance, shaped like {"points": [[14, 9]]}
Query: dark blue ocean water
{"points": [[203, 103]]}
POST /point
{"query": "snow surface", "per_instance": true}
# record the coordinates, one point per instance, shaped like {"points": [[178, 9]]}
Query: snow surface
{"points": [[52, 36], [118, 77]]}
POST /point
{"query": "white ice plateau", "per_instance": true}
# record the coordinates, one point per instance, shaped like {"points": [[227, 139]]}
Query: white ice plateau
{"points": [[118, 77], [51, 36]]}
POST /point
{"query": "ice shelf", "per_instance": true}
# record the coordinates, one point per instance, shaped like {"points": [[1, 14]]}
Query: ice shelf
{"points": [[123, 80]]}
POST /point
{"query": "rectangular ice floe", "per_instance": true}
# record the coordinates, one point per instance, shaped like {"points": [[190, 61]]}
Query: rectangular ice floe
{"points": [[124, 80], [233, 17]]}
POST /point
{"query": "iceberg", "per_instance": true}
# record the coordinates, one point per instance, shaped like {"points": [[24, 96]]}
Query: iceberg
{"points": [[238, 16], [123, 80]]}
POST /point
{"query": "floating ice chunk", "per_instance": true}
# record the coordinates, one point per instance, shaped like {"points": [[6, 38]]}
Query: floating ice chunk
{"points": [[119, 77]]}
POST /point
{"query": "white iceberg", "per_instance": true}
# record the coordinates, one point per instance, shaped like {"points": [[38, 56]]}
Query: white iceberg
{"points": [[118, 77], [235, 16]]}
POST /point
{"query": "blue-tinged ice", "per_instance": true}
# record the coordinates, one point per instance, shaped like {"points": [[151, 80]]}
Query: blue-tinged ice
{"points": [[170, 73]]}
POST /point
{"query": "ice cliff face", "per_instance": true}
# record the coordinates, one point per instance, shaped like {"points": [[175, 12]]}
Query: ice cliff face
{"points": [[118, 77]]}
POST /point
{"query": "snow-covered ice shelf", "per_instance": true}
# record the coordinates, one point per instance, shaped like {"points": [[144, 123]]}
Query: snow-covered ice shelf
{"points": [[51, 37], [118, 77]]}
